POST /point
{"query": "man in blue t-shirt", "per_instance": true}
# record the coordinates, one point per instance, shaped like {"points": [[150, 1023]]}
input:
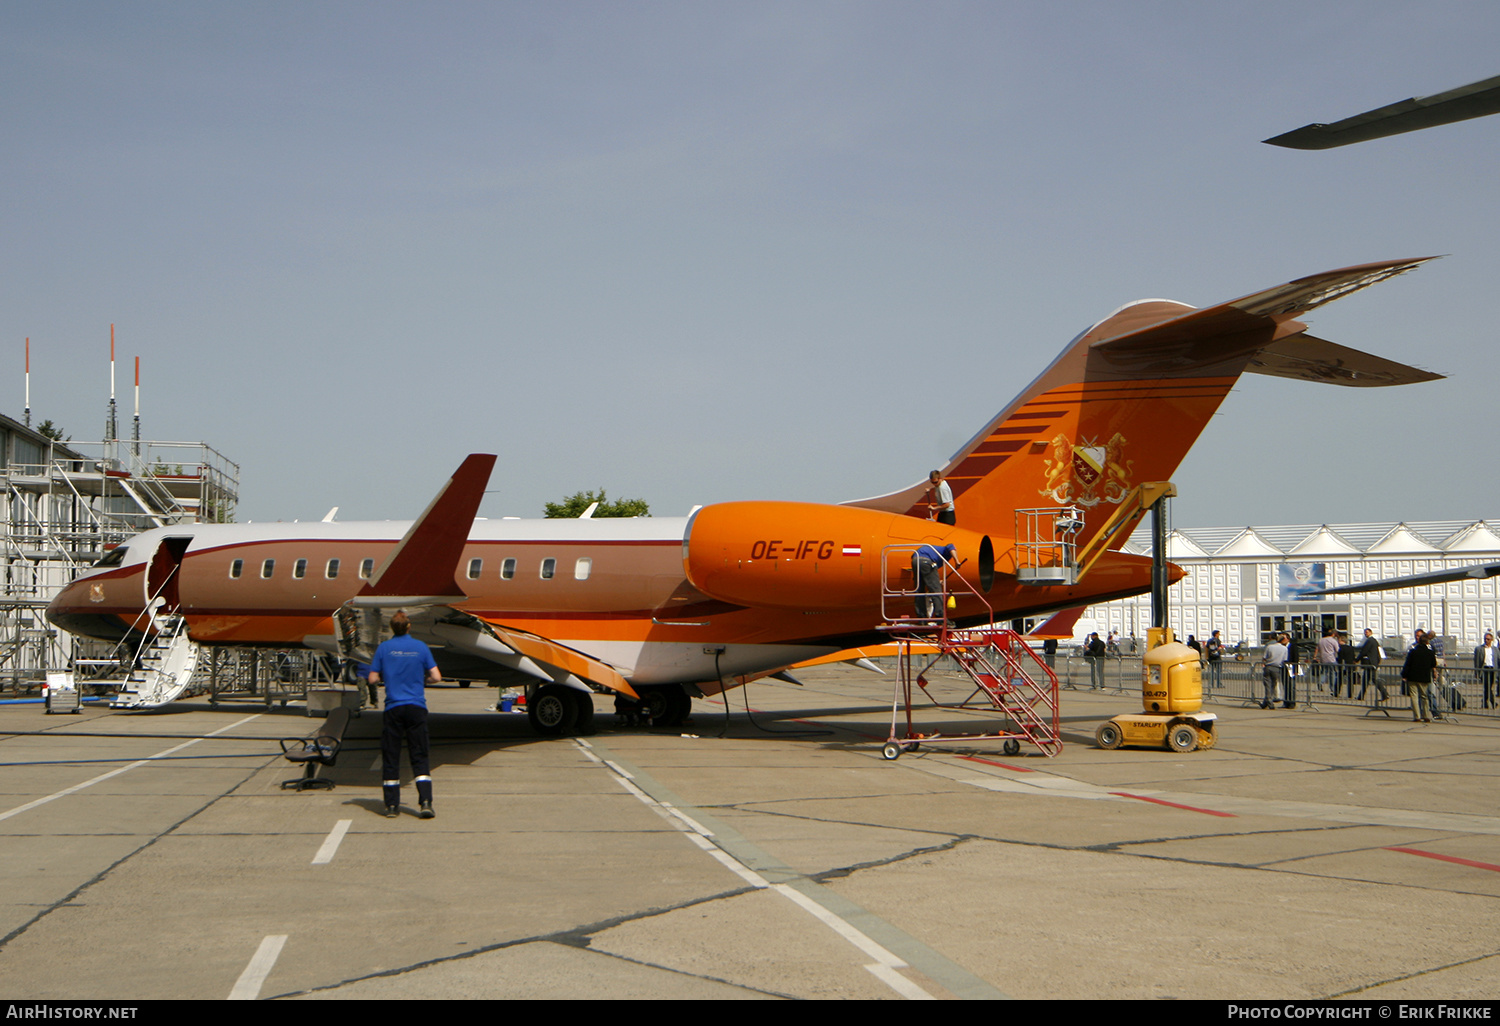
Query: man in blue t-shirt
{"points": [[926, 563], [405, 665]]}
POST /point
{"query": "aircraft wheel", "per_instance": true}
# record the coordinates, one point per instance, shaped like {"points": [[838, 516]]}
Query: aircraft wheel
{"points": [[585, 724], [1012, 746], [891, 751], [1108, 735], [553, 712], [668, 704], [1183, 737]]}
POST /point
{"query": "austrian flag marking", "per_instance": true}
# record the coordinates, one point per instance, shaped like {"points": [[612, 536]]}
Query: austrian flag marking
{"points": [[851, 550]]}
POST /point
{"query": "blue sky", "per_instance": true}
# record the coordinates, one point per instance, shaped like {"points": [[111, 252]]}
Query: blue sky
{"points": [[693, 252]]}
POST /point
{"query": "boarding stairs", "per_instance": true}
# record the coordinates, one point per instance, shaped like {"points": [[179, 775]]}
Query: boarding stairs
{"points": [[999, 670], [161, 669]]}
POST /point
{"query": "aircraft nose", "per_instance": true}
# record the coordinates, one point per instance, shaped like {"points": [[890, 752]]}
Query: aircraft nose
{"points": [[80, 609]]}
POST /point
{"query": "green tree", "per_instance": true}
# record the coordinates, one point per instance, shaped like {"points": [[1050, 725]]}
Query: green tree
{"points": [[575, 504], [52, 431]]}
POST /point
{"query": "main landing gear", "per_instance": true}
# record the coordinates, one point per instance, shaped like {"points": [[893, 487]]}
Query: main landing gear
{"points": [[556, 710], [668, 704]]}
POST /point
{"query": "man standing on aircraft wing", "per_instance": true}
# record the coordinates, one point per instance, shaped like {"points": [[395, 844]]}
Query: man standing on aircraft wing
{"points": [[405, 664]]}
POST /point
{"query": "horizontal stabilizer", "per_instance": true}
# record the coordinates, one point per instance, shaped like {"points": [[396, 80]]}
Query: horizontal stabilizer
{"points": [[1314, 359], [1219, 338], [419, 571]]}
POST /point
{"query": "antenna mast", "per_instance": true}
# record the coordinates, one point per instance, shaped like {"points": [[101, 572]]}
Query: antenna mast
{"points": [[111, 422], [136, 434]]}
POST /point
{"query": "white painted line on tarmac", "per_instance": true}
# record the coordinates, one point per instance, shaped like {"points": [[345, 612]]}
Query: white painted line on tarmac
{"points": [[886, 963], [900, 984], [693, 824], [123, 769], [247, 987], [695, 832], [642, 795], [331, 842], [618, 769], [728, 861], [841, 927]]}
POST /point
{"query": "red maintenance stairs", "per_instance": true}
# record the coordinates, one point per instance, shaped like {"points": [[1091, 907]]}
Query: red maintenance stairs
{"points": [[996, 667]]}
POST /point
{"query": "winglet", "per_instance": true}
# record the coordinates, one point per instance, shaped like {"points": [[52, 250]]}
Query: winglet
{"points": [[419, 571]]}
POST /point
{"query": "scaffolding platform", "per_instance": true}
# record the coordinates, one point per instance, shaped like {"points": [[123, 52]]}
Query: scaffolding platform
{"points": [[996, 667]]}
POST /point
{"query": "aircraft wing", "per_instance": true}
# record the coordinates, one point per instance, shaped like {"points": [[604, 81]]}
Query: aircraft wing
{"points": [[1060, 625], [1481, 572], [856, 655], [419, 573], [1474, 100], [550, 653], [459, 637]]}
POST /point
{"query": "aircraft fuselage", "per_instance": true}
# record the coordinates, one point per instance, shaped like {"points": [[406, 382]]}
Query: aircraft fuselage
{"points": [[621, 591]]}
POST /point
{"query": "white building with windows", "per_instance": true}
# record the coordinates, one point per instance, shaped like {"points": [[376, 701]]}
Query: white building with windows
{"points": [[1249, 582]]}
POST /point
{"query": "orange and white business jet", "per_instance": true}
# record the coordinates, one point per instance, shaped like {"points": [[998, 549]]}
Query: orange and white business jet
{"points": [[671, 607]]}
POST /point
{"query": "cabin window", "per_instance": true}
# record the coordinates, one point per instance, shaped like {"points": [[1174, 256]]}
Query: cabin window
{"points": [[475, 566], [508, 569], [549, 569], [267, 568], [299, 569], [366, 568], [583, 568], [236, 568], [333, 569]]}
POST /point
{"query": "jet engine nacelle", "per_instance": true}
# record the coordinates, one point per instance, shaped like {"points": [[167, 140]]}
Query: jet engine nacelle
{"points": [[807, 555]]}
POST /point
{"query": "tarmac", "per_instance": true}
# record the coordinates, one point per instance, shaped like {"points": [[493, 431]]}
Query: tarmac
{"points": [[1309, 855]]}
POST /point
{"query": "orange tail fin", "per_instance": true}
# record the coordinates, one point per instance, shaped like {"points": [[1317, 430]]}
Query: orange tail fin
{"points": [[1125, 400]]}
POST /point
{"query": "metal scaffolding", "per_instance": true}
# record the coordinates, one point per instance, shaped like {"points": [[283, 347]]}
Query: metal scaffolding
{"points": [[66, 505]]}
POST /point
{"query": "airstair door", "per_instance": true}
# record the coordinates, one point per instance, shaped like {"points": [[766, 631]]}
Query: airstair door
{"points": [[162, 574]]}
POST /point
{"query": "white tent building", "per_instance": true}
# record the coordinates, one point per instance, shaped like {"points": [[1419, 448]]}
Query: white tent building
{"points": [[1250, 582]]}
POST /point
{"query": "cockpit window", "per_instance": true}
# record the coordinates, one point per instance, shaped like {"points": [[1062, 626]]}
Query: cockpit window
{"points": [[114, 557]]}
